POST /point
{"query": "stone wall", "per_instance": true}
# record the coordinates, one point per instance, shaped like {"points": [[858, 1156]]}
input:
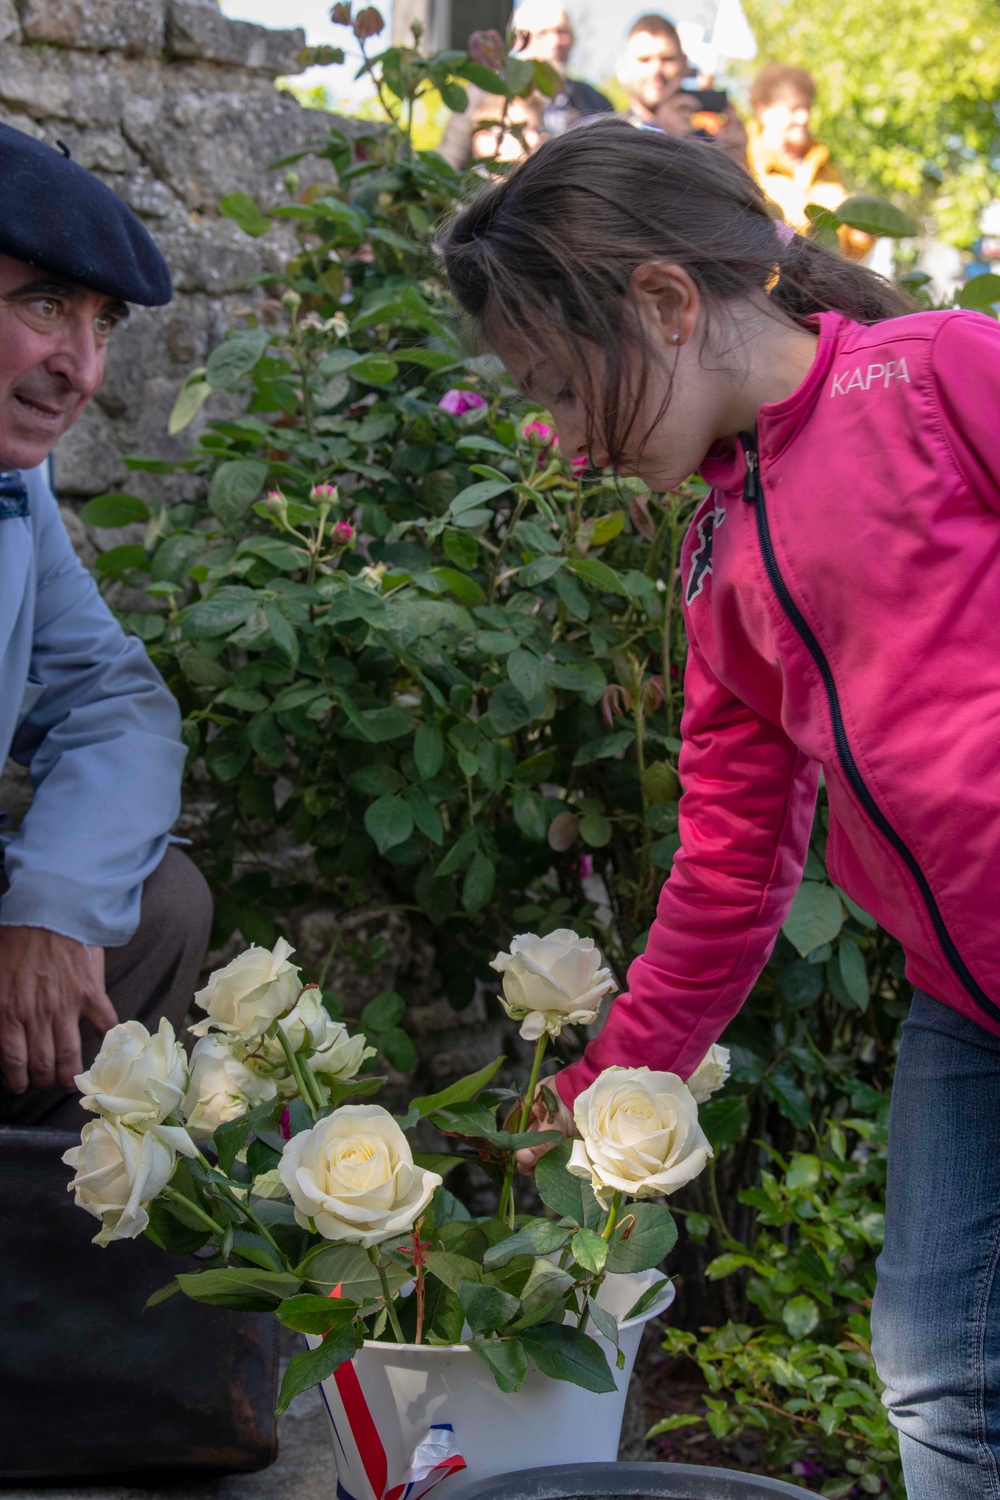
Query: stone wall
{"points": [[172, 105]]}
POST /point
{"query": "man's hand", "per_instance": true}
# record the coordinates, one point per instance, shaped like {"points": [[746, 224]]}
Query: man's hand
{"points": [[540, 1119], [48, 983]]}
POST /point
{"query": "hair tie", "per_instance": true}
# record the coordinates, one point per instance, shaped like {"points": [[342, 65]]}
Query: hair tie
{"points": [[784, 231]]}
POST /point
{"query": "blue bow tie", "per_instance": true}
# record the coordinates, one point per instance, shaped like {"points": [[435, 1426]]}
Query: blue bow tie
{"points": [[13, 496]]}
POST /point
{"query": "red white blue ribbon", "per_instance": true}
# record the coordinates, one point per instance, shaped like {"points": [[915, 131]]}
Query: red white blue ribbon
{"points": [[435, 1457]]}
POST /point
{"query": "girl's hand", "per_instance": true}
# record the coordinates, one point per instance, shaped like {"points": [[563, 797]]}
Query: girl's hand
{"points": [[540, 1119]]}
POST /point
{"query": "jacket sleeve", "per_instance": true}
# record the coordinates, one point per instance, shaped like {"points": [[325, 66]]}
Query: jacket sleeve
{"points": [[745, 819], [966, 366], [102, 739]]}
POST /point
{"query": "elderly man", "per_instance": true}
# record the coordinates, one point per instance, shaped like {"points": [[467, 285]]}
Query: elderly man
{"points": [[542, 33], [100, 920]]}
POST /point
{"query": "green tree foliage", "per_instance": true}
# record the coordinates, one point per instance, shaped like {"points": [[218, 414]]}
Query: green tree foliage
{"points": [[909, 97]]}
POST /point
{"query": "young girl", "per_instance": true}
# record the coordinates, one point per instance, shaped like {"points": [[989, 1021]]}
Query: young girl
{"points": [[842, 602]]}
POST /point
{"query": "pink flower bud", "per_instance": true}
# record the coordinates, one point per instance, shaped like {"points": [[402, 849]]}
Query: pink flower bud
{"points": [[342, 534], [324, 494], [368, 22], [285, 1123], [487, 48], [455, 402], [274, 500], [579, 464], [541, 432]]}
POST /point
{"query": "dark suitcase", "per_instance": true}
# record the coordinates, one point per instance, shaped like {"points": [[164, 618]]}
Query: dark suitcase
{"points": [[90, 1385]]}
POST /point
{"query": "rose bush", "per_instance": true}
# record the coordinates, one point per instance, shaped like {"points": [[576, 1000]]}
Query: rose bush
{"points": [[352, 1177], [639, 1134]]}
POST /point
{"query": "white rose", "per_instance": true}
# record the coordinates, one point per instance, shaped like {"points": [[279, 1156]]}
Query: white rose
{"points": [[353, 1177], [118, 1173], [136, 1078], [248, 994], [311, 1029], [710, 1074], [639, 1134], [549, 982], [222, 1088]]}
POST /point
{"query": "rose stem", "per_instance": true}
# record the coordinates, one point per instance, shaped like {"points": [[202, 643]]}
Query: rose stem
{"points": [[173, 1196], [315, 1087], [244, 1208], [506, 1209], [373, 1256], [296, 1072], [613, 1212]]}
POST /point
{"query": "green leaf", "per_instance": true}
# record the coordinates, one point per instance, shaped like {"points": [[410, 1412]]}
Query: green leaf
{"points": [[476, 495], [875, 216], [723, 1121], [234, 488], [348, 1267], [384, 1012], [190, 399], [484, 78], [789, 1097], [167, 1231], [816, 916], [454, 97], [531, 814], [571, 1197], [804, 1172], [281, 632], [506, 1358], [477, 887], [980, 292], [246, 212], [597, 574], [466, 590], [643, 1243], [222, 612], [389, 821], [267, 739], [376, 369], [428, 750], [544, 1293], [458, 855], [311, 1366], [235, 358], [460, 1092], [486, 1307], [452, 1269], [858, 912], [539, 1237], [525, 672], [114, 510], [800, 1316], [589, 1250], [461, 549], [603, 749], [564, 1353], [853, 972], [606, 528], [397, 1046], [595, 830], [118, 561], [509, 711], [310, 1312], [240, 1288], [652, 1293], [230, 1136], [800, 983]]}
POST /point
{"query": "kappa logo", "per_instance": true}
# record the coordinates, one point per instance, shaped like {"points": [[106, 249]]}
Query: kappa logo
{"points": [[701, 561], [862, 379]]}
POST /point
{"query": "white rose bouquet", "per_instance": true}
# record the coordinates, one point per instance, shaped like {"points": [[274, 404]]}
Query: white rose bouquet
{"points": [[262, 1147]]}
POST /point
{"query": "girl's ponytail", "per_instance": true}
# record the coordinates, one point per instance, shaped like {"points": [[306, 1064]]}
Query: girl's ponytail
{"points": [[813, 279]]}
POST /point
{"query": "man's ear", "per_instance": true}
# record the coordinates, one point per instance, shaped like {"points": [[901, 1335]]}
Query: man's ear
{"points": [[669, 297]]}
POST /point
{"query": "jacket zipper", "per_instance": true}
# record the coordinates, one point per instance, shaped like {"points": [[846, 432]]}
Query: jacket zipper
{"points": [[753, 494]]}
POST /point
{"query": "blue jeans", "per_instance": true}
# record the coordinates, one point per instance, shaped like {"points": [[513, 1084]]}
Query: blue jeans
{"points": [[936, 1316]]}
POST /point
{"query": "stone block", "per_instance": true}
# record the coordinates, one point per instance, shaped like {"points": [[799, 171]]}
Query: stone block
{"points": [[132, 26], [10, 24], [57, 85], [198, 31]]}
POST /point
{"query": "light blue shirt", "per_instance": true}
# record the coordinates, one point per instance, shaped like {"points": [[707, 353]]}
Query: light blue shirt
{"points": [[82, 707]]}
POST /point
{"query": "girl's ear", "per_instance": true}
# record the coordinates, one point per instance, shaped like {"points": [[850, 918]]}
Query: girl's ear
{"points": [[668, 299]]}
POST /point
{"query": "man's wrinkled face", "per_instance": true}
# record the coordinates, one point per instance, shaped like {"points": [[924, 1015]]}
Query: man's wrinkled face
{"points": [[53, 341], [652, 68], [544, 34]]}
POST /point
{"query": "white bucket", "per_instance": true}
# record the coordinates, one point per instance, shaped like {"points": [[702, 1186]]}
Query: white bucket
{"points": [[403, 1391]]}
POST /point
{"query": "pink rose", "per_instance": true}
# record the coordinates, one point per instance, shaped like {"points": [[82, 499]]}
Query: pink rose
{"points": [[541, 432], [342, 534], [579, 464], [455, 402]]}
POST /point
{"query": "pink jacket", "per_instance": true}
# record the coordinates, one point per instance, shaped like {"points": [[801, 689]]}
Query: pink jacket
{"points": [[842, 602]]}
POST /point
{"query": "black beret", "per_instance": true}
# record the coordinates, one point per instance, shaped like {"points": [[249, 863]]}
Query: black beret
{"points": [[56, 215]]}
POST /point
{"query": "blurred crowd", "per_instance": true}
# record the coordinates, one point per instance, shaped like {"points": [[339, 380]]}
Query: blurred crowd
{"points": [[662, 90]]}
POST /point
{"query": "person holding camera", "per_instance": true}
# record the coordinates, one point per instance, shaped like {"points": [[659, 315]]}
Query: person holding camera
{"points": [[664, 95]]}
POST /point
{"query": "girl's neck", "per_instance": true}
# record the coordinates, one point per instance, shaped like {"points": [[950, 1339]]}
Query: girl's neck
{"points": [[779, 357]]}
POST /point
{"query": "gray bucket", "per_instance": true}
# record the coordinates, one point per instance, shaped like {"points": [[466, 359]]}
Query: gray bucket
{"points": [[626, 1482]]}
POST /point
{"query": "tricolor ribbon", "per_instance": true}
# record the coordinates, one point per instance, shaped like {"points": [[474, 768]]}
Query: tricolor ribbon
{"points": [[434, 1458]]}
